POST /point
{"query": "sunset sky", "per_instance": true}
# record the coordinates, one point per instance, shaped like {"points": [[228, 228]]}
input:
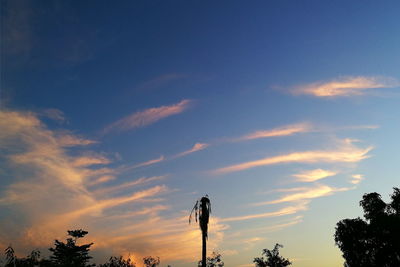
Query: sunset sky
{"points": [[116, 116]]}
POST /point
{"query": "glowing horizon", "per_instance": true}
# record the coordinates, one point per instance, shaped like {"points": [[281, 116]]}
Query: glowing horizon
{"points": [[115, 118]]}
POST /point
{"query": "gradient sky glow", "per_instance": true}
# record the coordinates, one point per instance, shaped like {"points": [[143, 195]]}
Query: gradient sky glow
{"points": [[117, 115]]}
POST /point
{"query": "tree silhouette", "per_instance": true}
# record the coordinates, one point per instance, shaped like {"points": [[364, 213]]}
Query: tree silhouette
{"points": [[32, 260], [69, 254], [202, 210], [374, 241], [273, 259], [118, 262], [10, 256], [214, 261], [151, 262]]}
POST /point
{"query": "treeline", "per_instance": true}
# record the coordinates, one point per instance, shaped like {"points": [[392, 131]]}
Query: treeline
{"points": [[69, 254], [370, 242]]}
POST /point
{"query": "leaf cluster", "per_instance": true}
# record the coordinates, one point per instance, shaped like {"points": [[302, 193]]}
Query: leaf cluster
{"points": [[273, 259], [374, 241]]}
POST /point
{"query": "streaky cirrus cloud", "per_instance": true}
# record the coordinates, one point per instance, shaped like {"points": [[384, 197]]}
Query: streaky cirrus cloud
{"points": [[346, 86], [146, 117], [347, 153], [54, 114], [196, 147], [69, 140], [274, 227], [297, 128], [136, 182], [313, 175], [279, 131], [300, 206], [302, 194], [54, 197], [89, 160], [141, 164]]}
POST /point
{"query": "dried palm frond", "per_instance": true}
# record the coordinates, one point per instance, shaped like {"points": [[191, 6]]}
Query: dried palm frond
{"points": [[202, 210]]}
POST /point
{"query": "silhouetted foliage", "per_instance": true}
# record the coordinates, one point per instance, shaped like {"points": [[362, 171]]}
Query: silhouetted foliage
{"points": [[202, 209], [69, 254], [151, 262], [33, 259], [118, 262], [375, 241], [10, 256], [273, 259], [214, 261]]}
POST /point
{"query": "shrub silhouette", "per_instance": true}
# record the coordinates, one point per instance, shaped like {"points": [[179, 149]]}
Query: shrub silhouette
{"points": [[118, 262], [374, 241], [32, 260], [214, 261], [273, 259], [151, 262]]}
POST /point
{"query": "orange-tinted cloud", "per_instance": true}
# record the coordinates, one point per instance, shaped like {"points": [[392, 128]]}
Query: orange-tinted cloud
{"points": [[142, 164], [346, 86], [67, 140], [313, 175], [54, 197], [348, 153], [89, 160], [301, 194], [137, 182], [195, 148], [284, 211], [148, 116], [280, 131], [357, 178]]}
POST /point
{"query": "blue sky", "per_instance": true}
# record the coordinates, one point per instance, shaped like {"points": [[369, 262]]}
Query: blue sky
{"points": [[116, 117]]}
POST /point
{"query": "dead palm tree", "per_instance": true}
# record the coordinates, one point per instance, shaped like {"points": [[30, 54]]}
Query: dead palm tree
{"points": [[202, 210]]}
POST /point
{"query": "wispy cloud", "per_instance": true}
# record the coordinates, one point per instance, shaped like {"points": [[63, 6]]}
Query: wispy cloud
{"points": [[54, 197], [195, 148], [146, 117], [346, 86], [276, 132], [357, 178], [313, 175], [288, 222], [301, 194], [54, 114], [300, 206], [142, 164], [347, 153], [90, 160], [140, 181], [66, 140]]}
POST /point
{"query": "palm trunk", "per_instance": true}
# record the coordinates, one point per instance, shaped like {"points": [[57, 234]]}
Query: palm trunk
{"points": [[204, 252]]}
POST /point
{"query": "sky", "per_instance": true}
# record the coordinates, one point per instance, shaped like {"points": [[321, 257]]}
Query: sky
{"points": [[116, 116]]}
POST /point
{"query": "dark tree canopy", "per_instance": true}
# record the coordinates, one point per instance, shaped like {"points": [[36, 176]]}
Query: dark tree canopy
{"points": [[273, 259], [32, 260], [151, 262], [375, 241], [118, 262], [69, 254], [214, 261]]}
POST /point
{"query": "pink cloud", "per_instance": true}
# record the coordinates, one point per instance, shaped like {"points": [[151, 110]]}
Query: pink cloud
{"points": [[148, 116]]}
